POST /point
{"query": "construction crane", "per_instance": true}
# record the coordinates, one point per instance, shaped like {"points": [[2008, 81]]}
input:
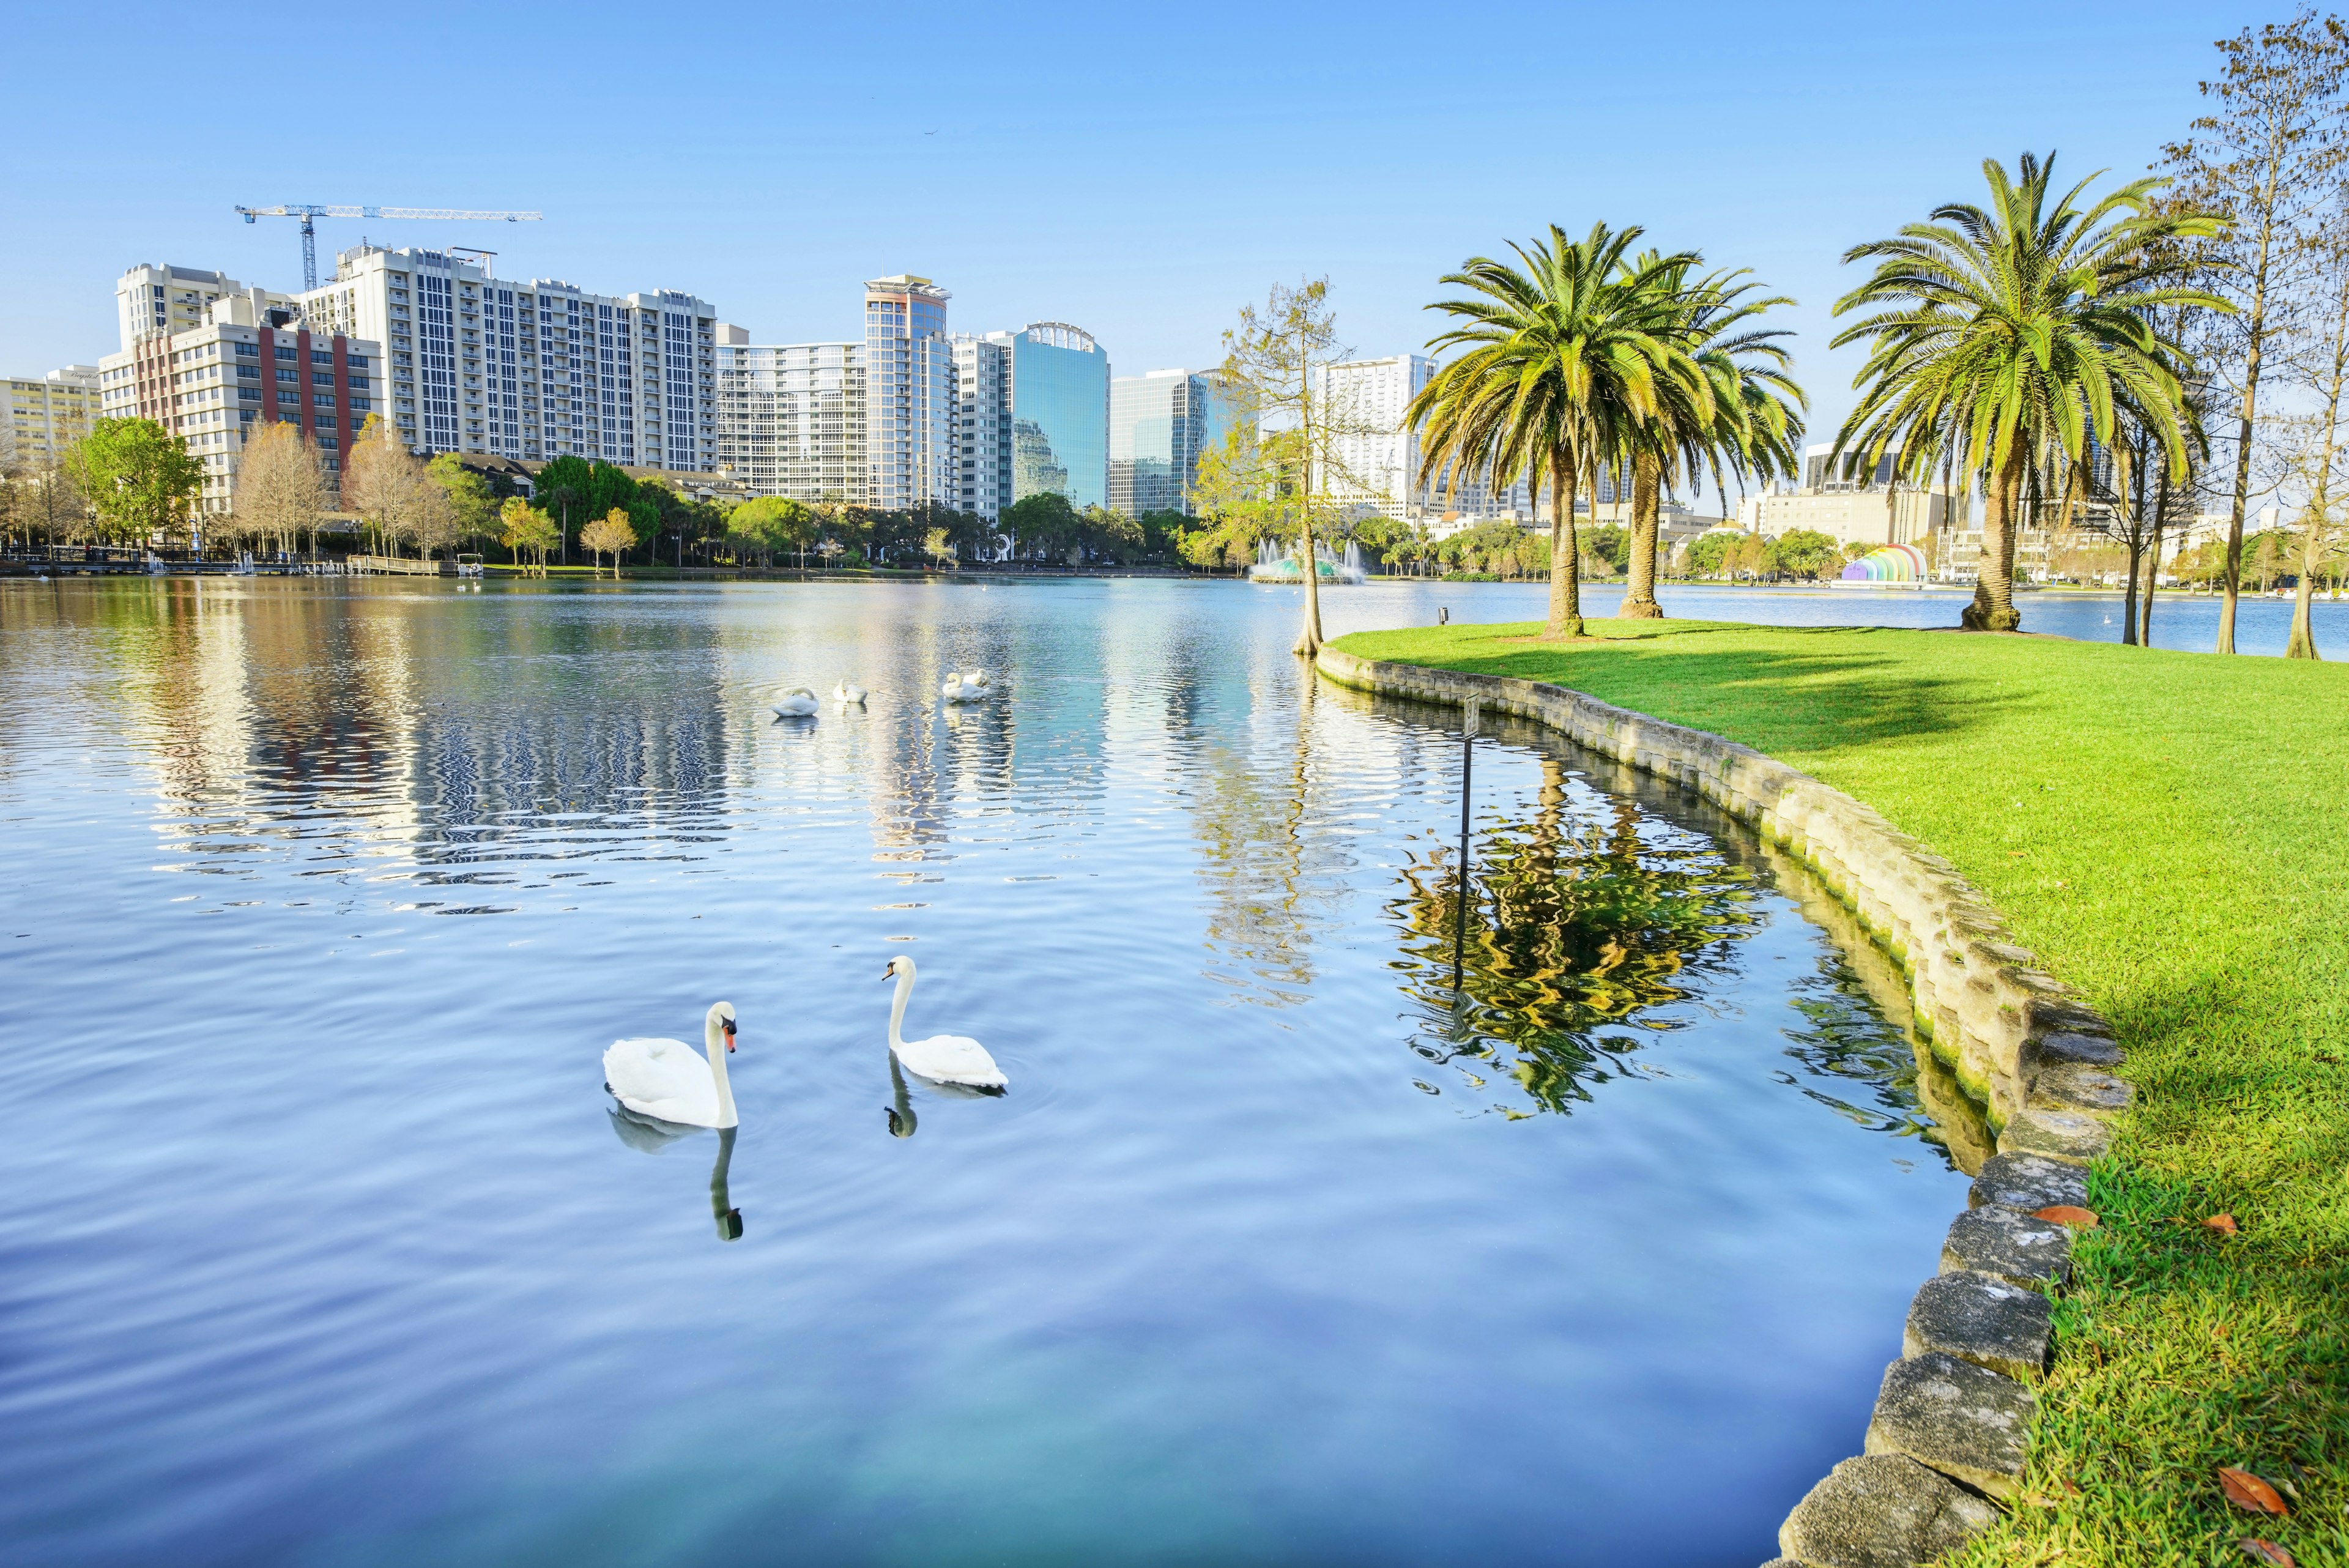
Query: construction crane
{"points": [[309, 211]]}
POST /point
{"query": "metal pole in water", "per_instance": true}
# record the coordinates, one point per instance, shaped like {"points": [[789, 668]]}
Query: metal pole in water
{"points": [[1468, 707]]}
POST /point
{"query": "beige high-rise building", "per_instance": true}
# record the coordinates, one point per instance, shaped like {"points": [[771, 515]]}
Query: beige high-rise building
{"points": [[1851, 509], [48, 413], [249, 363], [537, 369]]}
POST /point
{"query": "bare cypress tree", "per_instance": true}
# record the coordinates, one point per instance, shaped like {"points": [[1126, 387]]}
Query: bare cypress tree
{"points": [[279, 488], [2262, 159]]}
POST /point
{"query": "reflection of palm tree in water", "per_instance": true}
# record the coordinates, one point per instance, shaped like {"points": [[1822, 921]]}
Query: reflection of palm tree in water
{"points": [[1573, 924]]}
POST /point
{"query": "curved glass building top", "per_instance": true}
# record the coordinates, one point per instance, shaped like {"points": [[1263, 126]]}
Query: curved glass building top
{"points": [[1059, 413]]}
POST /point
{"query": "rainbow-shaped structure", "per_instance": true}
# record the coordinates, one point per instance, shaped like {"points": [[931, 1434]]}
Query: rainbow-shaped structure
{"points": [[1892, 564]]}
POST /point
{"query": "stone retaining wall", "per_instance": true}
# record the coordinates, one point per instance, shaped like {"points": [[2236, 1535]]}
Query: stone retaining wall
{"points": [[1952, 1420]]}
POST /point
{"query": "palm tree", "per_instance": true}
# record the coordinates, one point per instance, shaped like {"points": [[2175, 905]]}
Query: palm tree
{"points": [[2008, 330], [1569, 356], [1753, 422]]}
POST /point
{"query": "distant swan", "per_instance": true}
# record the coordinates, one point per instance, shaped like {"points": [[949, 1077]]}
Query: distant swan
{"points": [[942, 1058], [847, 696], [971, 686], [664, 1080], [796, 703]]}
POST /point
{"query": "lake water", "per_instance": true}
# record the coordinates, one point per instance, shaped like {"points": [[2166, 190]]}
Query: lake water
{"points": [[320, 1244]]}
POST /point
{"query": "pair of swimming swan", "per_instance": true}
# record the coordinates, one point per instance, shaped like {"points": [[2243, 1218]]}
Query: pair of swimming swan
{"points": [[967, 686], [664, 1080], [799, 703]]}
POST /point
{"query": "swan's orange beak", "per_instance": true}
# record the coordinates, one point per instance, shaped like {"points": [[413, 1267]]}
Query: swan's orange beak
{"points": [[730, 1037]]}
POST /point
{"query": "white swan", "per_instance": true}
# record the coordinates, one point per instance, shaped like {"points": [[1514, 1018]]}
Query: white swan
{"points": [[847, 696], [664, 1080], [796, 703], [942, 1058], [969, 686]]}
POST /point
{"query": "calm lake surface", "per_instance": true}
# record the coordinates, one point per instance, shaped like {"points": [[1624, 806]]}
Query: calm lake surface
{"points": [[319, 1242]]}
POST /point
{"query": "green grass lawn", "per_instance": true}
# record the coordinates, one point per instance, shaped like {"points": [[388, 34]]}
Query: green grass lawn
{"points": [[2169, 832]]}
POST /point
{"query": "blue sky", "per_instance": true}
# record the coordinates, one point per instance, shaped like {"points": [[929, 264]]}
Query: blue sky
{"points": [[1138, 171]]}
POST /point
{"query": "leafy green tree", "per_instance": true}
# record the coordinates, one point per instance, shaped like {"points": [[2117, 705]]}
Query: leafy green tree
{"points": [[563, 490], [138, 480], [527, 527], [472, 511], [1043, 526], [2011, 330], [1713, 554], [1803, 552], [1162, 534], [1567, 359], [1611, 544]]}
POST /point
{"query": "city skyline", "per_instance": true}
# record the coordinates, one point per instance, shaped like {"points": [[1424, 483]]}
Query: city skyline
{"points": [[1332, 166]]}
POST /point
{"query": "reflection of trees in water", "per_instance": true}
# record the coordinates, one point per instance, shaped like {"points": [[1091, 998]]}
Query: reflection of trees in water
{"points": [[1575, 921], [1266, 880]]}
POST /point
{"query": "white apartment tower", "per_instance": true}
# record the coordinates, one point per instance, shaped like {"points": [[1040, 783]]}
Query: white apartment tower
{"points": [[155, 301], [533, 370], [790, 417], [982, 457], [910, 405]]}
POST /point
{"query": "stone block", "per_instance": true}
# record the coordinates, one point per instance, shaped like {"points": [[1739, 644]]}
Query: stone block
{"points": [[2028, 1182], [2071, 1136], [1982, 1319], [2065, 1047], [2009, 1244], [1882, 1510], [1964, 1420], [2078, 1086]]}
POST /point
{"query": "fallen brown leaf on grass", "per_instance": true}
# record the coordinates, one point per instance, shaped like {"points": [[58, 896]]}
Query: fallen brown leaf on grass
{"points": [[2258, 1550], [2247, 1492], [2070, 1214], [2068, 1484], [2224, 1223]]}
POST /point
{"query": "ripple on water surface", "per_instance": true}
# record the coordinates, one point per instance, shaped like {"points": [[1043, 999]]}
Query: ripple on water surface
{"points": [[320, 1241]]}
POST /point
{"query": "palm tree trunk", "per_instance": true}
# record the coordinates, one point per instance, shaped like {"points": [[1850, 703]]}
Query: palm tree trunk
{"points": [[1565, 551], [1993, 607], [1647, 482]]}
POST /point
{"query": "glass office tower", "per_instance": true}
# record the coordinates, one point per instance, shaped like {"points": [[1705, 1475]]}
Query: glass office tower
{"points": [[1059, 413], [1158, 426]]}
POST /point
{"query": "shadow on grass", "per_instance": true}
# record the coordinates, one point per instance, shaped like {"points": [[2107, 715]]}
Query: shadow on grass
{"points": [[1775, 699]]}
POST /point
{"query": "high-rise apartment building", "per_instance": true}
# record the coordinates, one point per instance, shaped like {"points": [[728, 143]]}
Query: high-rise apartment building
{"points": [[151, 300], [45, 413], [910, 403], [790, 417], [250, 363], [480, 365], [982, 426], [1059, 413], [536, 369], [1159, 423]]}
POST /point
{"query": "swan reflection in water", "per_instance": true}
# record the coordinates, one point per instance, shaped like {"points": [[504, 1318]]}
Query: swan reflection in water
{"points": [[902, 1120], [653, 1135]]}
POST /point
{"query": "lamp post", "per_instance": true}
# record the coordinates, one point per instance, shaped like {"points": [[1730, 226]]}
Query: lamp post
{"points": [[1468, 715]]}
